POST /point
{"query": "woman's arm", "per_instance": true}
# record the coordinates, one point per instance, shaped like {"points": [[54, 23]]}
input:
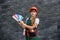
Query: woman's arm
{"points": [[23, 31], [27, 26], [30, 27], [20, 23]]}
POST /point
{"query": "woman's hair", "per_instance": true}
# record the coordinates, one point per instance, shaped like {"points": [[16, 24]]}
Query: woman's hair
{"points": [[33, 20], [33, 8]]}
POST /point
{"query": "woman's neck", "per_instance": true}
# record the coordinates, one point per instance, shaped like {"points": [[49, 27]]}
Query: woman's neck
{"points": [[32, 17]]}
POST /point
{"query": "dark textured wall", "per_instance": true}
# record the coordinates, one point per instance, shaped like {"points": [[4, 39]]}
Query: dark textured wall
{"points": [[49, 14]]}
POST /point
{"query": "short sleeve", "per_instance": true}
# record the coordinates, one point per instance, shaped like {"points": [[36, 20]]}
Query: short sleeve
{"points": [[37, 20]]}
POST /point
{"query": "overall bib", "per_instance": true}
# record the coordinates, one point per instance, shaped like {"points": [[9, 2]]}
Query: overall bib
{"points": [[30, 35]]}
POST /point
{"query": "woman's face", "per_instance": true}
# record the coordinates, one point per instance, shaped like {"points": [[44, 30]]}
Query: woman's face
{"points": [[33, 13]]}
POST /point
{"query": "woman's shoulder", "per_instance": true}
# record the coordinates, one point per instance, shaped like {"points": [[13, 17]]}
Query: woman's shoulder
{"points": [[37, 18], [27, 18]]}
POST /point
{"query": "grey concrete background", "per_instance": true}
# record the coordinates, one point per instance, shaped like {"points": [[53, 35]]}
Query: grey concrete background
{"points": [[49, 14]]}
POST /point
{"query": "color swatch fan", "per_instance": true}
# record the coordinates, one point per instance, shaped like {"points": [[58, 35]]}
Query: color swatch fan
{"points": [[17, 17]]}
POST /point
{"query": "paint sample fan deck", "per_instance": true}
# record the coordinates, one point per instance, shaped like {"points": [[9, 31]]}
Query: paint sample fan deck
{"points": [[17, 17]]}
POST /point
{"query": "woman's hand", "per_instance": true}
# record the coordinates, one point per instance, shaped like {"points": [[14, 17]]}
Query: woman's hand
{"points": [[21, 23]]}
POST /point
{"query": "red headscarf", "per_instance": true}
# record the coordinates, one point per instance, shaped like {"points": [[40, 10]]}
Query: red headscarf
{"points": [[33, 8]]}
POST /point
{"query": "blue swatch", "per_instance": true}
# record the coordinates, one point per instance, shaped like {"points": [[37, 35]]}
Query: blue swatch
{"points": [[20, 17]]}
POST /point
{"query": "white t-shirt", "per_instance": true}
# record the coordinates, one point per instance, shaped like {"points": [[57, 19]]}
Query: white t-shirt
{"points": [[36, 21]]}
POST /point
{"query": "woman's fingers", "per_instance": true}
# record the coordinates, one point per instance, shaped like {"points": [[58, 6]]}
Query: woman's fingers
{"points": [[21, 24]]}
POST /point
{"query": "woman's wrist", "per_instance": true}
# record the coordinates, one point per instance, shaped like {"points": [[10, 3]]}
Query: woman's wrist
{"points": [[24, 24]]}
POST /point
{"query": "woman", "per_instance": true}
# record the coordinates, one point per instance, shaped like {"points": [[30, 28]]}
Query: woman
{"points": [[31, 24]]}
